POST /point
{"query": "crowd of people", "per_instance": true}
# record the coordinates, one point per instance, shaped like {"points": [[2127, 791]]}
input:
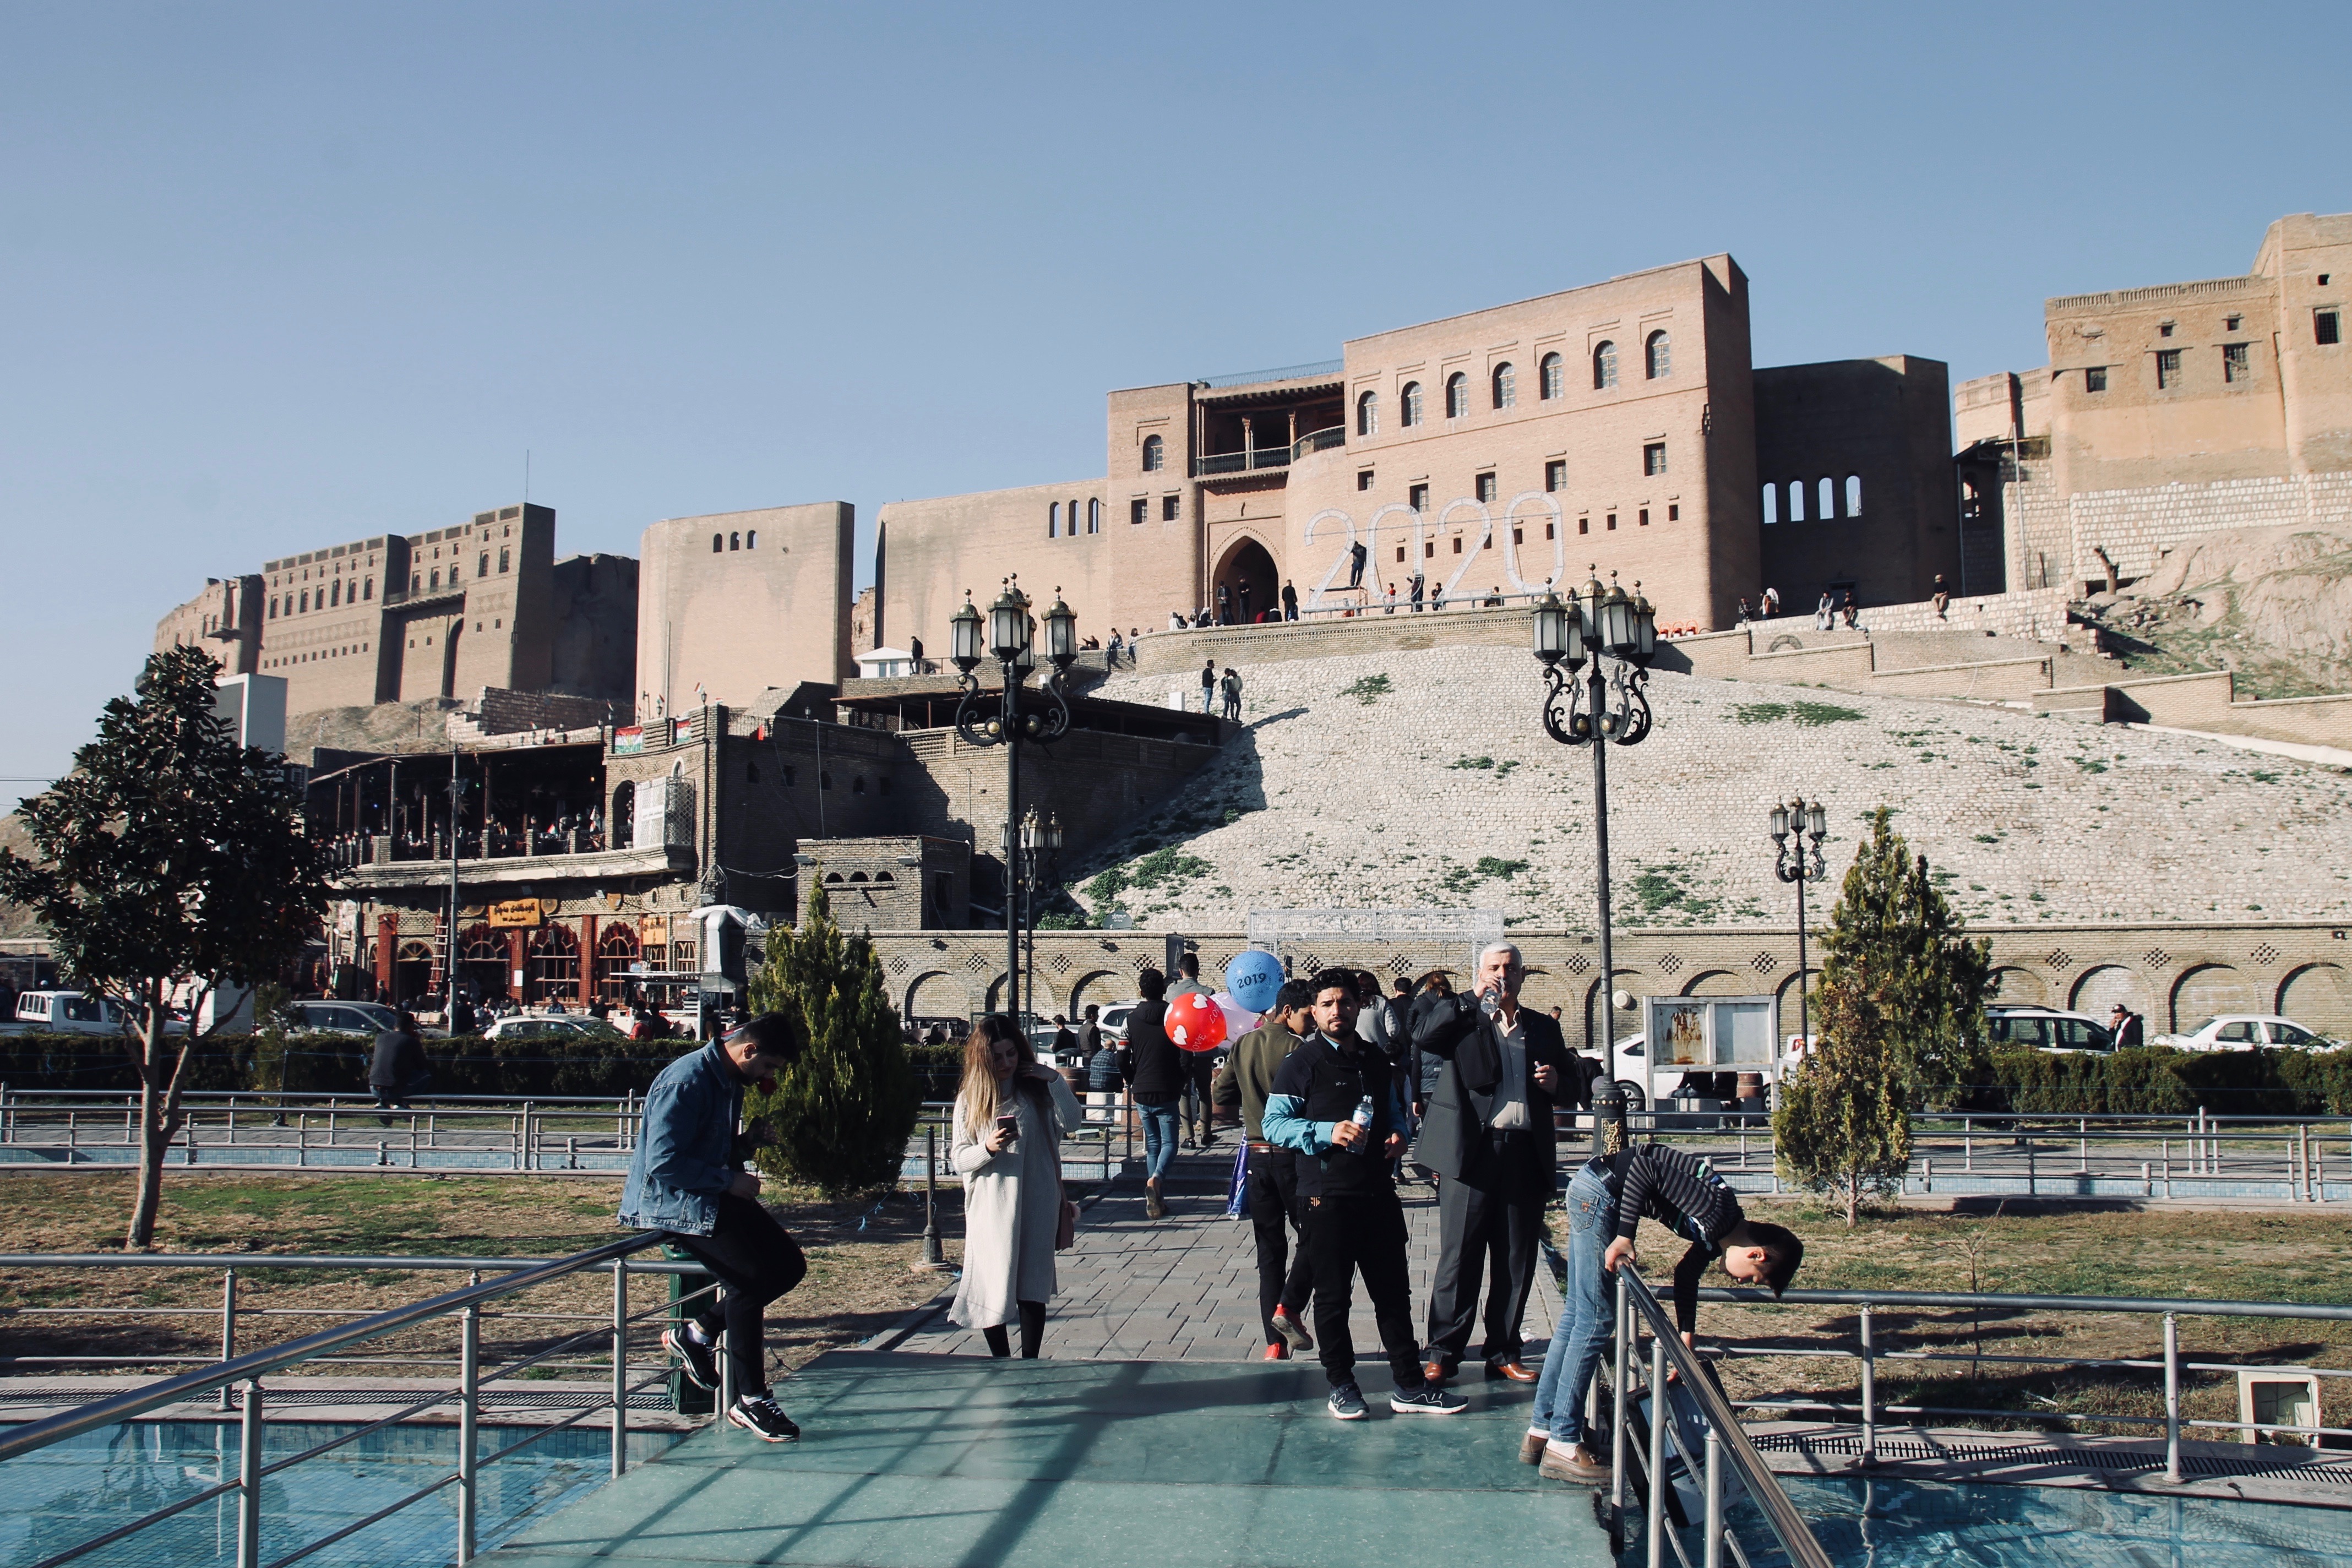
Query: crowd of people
{"points": [[1339, 1089]]}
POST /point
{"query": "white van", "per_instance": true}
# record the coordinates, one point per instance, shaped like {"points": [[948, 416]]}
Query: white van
{"points": [[72, 1013]]}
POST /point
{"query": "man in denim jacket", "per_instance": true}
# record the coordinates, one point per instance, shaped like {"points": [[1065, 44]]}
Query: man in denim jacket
{"points": [[686, 1179]]}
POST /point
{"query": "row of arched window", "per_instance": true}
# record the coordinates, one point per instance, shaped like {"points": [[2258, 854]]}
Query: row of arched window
{"points": [[1502, 386], [330, 596], [1062, 518], [718, 541], [1829, 497]]}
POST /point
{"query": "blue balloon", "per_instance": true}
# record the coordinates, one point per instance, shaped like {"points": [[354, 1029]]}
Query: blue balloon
{"points": [[1254, 978]]}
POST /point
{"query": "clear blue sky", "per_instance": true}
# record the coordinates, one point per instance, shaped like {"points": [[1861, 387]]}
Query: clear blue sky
{"points": [[275, 276]]}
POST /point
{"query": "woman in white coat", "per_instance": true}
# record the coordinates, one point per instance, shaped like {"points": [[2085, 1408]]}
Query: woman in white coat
{"points": [[1006, 1141]]}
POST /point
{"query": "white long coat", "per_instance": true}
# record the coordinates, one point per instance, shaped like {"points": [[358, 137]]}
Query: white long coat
{"points": [[1013, 1205]]}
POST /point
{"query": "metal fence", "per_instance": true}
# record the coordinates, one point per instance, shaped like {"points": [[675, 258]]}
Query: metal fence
{"points": [[236, 1380]]}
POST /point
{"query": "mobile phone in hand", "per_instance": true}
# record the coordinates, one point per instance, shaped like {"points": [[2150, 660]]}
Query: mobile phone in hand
{"points": [[1009, 1124]]}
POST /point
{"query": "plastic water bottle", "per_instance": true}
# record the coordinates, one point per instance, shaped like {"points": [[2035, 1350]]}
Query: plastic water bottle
{"points": [[1490, 1002], [1363, 1117]]}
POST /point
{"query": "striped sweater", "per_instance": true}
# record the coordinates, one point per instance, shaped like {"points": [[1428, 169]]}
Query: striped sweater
{"points": [[1681, 1193]]}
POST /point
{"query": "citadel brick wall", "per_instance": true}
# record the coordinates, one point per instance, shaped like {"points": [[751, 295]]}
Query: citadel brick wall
{"points": [[735, 604]]}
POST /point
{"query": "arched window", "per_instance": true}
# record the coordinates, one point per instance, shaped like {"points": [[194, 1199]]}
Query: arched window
{"points": [[718, 542], [335, 596], [273, 607], [1409, 405], [1094, 514], [1155, 454], [624, 816], [1796, 512], [1771, 504], [1053, 520], [502, 557], [1552, 375], [436, 577], [367, 589], [1605, 365], [306, 600], [751, 540], [1657, 356], [1367, 414], [734, 542], [1828, 499], [1457, 396], [1854, 495], [1506, 386]]}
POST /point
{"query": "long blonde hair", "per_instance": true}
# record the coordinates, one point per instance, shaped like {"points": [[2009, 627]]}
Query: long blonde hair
{"points": [[978, 1092]]}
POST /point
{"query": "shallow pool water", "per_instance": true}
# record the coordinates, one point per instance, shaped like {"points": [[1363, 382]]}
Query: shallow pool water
{"points": [[1930, 1524], [65, 1494]]}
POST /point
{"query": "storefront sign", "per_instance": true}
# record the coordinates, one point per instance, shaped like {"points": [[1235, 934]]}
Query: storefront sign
{"points": [[653, 930], [515, 912]]}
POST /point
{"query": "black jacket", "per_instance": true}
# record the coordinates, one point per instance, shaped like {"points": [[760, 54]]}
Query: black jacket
{"points": [[1152, 1063], [1452, 1134], [399, 1057]]}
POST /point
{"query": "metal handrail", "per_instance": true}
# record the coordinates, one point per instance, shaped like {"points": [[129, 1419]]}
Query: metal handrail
{"points": [[1724, 1435], [2142, 1305]]}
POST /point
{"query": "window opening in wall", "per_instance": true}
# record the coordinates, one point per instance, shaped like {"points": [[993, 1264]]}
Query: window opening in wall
{"points": [[2327, 328], [1657, 356], [1613, 523], [751, 540], [858, 785], [1417, 497], [1457, 544], [1653, 457], [1053, 520], [1584, 525], [1506, 386], [482, 567], [718, 542], [1367, 414], [1457, 396], [1556, 475], [1604, 366], [1549, 530], [2164, 329], [2234, 366], [1484, 484], [1409, 405], [1674, 513], [1796, 512], [824, 781], [1854, 495], [2167, 368], [1364, 478], [2230, 323], [1155, 453], [1139, 509], [1168, 507], [1518, 535], [1429, 551], [1399, 554], [1548, 379], [2094, 378], [1094, 514], [1643, 519], [416, 580], [1771, 505], [1828, 498]]}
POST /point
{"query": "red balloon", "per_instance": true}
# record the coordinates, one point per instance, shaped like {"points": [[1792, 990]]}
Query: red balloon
{"points": [[1195, 1022]]}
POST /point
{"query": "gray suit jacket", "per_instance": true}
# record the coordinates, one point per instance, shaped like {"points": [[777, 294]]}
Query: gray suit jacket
{"points": [[1453, 1136]]}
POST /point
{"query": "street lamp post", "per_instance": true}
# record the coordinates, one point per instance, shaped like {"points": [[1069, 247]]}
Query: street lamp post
{"points": [[1041, 716], [1798, 821], [1598, 705], [1031, 854]]}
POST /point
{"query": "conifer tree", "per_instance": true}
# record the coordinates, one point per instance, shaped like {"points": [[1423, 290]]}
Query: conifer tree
{"points": [[1842, 1125], [842, 1115]]}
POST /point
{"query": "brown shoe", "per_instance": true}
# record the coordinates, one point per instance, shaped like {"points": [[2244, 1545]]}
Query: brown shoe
{"points": [[1436, 1374], [1563, 1465], [1514, 1370], [1531, 1448], [1153, 1207]]}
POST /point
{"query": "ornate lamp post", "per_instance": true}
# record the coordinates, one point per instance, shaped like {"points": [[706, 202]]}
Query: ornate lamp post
{"points": [[1030, 855], [1041, 716], [1595, 648], [1798, 821]]}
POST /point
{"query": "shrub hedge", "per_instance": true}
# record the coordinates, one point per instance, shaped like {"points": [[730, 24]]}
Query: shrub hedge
{"points": [[2157, 1080]]}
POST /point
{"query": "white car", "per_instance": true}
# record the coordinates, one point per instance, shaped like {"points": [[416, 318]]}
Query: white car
{"points": [[2046, 1029], [2244, 1032], [557, 1026], [74, 1012]]}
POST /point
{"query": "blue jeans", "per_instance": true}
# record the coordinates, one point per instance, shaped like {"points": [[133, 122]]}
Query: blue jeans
{"points": [[1159, 1137], [1586, 1323]]}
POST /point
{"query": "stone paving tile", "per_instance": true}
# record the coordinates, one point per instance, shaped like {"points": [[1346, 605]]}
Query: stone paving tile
{"points": [[1185, 1289]]}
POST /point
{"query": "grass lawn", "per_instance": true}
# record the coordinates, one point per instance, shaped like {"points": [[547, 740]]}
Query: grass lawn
{"points": [[2184, 1255], [858, 1280]]}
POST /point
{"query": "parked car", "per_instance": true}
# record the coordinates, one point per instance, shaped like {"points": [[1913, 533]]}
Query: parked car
{"points": [[564, 1026], [76, 1012], [370, 1019], [2046, 1029], [2244, 1032], [1113, 1021]]}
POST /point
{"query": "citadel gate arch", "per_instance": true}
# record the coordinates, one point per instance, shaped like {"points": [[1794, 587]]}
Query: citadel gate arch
{"points": [[1248, 563]]}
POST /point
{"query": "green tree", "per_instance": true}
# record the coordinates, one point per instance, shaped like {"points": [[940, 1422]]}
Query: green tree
{"points": [[172, 863], [841, 1117], [1842, 1125], [1894, 933]]}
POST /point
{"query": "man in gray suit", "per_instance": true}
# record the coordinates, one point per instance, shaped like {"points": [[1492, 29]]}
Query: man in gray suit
{"points": [[1488, 1135]]}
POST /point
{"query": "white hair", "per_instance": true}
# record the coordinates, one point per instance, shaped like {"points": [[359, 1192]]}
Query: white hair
{"points": [[1511, 947]]}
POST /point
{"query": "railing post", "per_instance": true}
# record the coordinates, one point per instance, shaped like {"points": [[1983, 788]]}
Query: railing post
{"points": [[1967, 1144], [1654, 1542], [933, 1256], [2171, 1398], [229, 1325], [1714, 1556], [2031, 1179], [727, 1390], [620, 1366], [1869, 1393], [469, 1410], [1621, 1369], [248, 1480]]}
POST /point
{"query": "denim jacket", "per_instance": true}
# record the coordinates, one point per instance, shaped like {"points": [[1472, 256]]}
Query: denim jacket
{"points": [[686, 1144]]}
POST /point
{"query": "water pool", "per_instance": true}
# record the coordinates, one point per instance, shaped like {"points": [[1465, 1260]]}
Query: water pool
{"points": [[1933, 1524], [67, 1492]]}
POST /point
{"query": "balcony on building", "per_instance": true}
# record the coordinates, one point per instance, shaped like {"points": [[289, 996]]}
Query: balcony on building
{"points": [[1268, 419]]}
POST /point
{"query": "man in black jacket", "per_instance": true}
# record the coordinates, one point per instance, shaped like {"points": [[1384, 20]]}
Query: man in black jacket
{"points": [[1489, 1138], [398, 1067], [1155, 1081]]}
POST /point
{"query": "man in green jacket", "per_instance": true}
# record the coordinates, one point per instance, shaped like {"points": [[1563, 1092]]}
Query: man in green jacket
{"points": [[1283, 1282]]}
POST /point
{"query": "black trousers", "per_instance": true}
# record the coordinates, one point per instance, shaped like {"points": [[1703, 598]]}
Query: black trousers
{"points": [[1283, 1280], [1364, 1234], [756, 1261], [1491, 1231], [1200, 1073]]}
